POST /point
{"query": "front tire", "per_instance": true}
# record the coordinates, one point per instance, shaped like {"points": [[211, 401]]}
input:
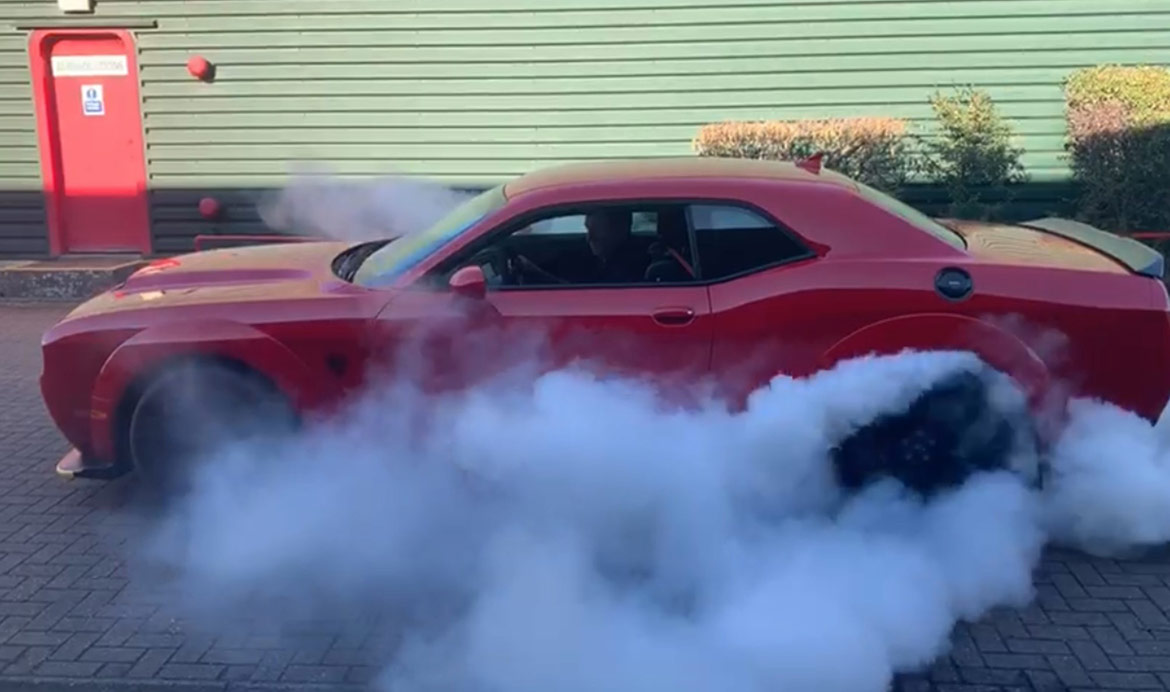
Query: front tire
{"points": [[954, 430], [194, 410]]}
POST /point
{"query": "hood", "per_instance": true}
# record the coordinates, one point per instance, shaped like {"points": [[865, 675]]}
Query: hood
{"points": [[245, 274], [251, 265]]}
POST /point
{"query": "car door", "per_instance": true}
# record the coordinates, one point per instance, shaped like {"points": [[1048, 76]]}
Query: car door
{"points": [[762, 282], [661, 332]]}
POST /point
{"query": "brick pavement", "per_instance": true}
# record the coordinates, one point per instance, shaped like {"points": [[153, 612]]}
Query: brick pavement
{"points": [[71, 610]]}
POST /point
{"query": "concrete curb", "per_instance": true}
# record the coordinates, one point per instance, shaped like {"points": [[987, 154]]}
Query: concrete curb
{"points": [[66, 279]]}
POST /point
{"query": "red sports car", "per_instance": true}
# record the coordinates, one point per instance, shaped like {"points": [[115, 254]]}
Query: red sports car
{"points": [[678, 270]]}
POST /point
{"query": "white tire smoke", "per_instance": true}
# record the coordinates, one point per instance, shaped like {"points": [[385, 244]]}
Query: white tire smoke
{"points": [[577, 534]]}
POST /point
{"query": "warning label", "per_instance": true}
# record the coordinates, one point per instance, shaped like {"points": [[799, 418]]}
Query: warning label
{"points": [[93, 101]]}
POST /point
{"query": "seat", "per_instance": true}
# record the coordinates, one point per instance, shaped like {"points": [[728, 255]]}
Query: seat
{"points": [[668, 254]]}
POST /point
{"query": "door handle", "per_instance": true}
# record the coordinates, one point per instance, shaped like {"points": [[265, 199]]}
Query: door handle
{"points": [[674, 317]]}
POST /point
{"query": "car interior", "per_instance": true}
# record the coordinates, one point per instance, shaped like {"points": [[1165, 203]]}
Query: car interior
{"points": [[730, 240]]}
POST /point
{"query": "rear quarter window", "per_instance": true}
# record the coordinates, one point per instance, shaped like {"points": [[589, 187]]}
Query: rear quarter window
{"points": [[735, 240]]}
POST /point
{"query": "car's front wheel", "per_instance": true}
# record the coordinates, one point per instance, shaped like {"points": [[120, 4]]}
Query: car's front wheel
{"points": [[955, 429], [194, 410]]}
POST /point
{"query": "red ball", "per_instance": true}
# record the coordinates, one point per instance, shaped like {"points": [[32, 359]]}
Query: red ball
{"points": [[209, 208], [199, 67]]}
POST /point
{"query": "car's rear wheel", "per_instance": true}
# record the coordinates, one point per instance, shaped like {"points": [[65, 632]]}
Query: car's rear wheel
{"points": [[957, 428], [194, 410]]}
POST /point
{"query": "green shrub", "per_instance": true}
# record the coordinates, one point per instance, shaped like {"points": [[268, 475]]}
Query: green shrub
{"points": [[971, 154], [1119, 145], [872, 150]]}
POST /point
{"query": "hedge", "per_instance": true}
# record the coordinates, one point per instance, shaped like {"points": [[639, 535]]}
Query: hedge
{"points": [[1119, 145], [972, 155], [872, 150]]}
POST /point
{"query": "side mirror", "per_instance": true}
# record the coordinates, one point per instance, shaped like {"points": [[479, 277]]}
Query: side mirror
{"points": [[469, 282]]}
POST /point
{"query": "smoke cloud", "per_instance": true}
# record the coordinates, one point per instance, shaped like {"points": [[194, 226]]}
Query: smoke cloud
{"points": [[317, 203], [574, 532]]}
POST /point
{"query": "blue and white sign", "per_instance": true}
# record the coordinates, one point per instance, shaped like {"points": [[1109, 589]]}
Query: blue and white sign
{"points": [[93, 100]]}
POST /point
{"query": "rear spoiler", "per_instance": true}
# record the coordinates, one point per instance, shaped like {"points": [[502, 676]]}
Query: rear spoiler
{"points": [[1138, 257]]}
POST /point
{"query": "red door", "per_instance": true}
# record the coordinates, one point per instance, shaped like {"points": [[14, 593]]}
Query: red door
{"points": [[660, 334], [90, 130]]}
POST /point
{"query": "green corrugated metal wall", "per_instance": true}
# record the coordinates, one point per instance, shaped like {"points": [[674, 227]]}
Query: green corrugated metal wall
{"points": [[449, 89], [22, 216]]}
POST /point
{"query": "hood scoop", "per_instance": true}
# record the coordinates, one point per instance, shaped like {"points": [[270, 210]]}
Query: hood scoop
{"points": [[163, 279]]}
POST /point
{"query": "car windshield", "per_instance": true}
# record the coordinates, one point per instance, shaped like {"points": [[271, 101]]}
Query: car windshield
{"points": [[398, 257], [911, 215]]}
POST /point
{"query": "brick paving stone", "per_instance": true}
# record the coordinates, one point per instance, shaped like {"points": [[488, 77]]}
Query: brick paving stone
{"points": [[1111, 641], [72, 669], [10, 653], [150, 663], [1037, 646], [361, 675], [234, 656], [272, 666], [317, 674], [1127, 681], [32, 657], [70, 607], [238, 672], [1069, 670], [113, 670], [191, 671], [113, 654]]}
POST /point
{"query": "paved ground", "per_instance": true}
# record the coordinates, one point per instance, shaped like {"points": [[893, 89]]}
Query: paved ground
{"points": [[70, 610]]}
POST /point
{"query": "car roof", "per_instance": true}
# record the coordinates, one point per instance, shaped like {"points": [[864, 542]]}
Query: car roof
{"points": [[666, 168]]}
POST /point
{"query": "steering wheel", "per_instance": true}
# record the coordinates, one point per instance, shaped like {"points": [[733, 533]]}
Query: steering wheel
{"points": [[504, 263]]}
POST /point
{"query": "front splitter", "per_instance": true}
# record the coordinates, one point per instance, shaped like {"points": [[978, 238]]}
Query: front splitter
{"points": [[75, 465]]}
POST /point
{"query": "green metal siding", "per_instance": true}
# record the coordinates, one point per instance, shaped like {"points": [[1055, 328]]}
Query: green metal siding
{"points": [[22, 209], [468, 95]]}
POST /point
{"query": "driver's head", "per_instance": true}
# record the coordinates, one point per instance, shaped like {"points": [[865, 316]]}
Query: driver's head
{"points": [[607, 230]]}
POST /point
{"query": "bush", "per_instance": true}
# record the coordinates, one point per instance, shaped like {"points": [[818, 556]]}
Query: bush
{"points": [[1119, 145], [872, 150], [971, 155]]}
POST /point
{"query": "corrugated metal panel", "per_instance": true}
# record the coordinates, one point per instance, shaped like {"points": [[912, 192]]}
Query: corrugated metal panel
{"points": [[449, 89], [22, 209]]}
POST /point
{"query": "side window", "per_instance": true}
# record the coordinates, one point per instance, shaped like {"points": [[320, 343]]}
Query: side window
{"points": [[596, 244], [642, 223], [733, 240], [557, 225]]}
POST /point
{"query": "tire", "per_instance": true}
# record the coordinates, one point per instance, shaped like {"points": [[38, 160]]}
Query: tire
{"points": [[951, 432], [193, 410]]}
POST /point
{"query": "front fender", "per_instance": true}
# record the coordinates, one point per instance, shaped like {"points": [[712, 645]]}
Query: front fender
{"points": [[153, 347]]}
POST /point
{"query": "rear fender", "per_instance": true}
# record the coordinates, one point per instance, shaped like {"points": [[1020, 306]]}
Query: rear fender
{"points": [[151, 349], [937, 332]]}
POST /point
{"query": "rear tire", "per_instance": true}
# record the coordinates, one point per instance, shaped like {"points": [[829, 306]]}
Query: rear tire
{"points": [[951, 432], [193, 410]]}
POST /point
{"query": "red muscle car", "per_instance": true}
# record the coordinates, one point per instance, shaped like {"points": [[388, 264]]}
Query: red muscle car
{"points": [[676, 270]]}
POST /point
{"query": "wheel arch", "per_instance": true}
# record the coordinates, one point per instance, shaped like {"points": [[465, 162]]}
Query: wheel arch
{"points": [[135, 363], [997, 347]]}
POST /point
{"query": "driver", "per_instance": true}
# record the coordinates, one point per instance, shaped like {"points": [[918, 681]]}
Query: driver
{"points": [[619, 260]]}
